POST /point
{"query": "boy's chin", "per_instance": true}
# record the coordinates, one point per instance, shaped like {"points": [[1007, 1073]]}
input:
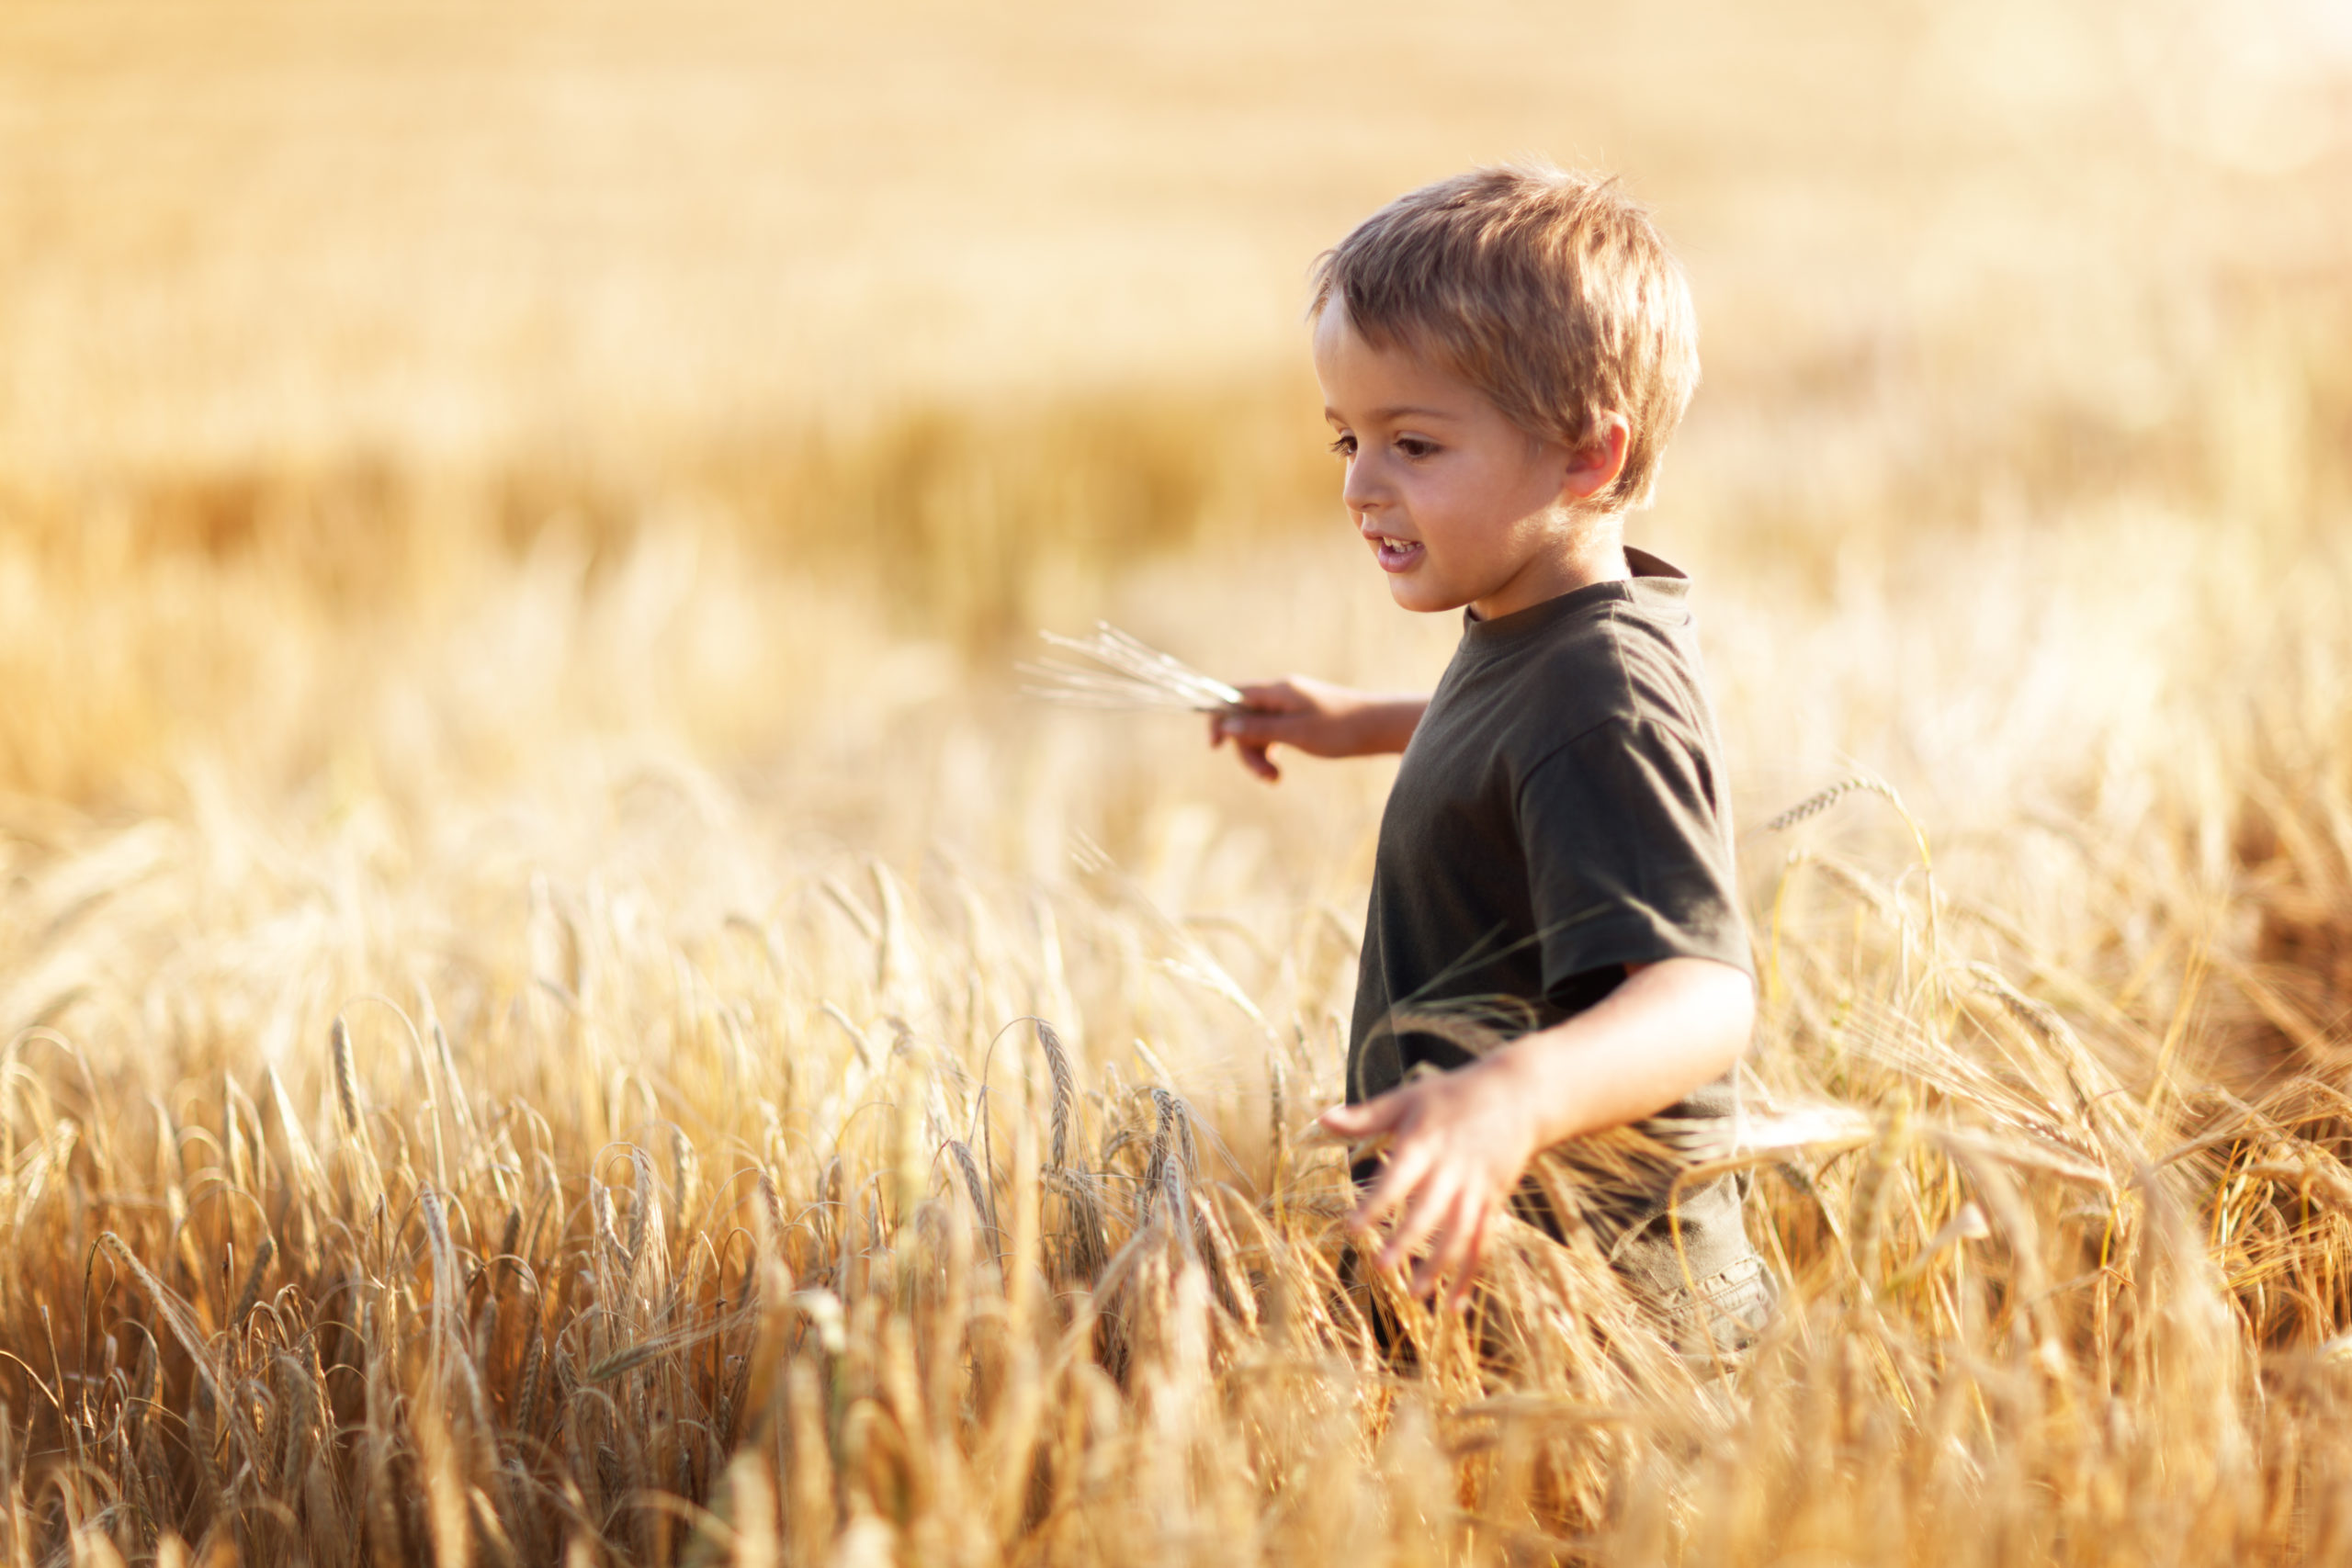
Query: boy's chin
{"points": [[1423, 598]]}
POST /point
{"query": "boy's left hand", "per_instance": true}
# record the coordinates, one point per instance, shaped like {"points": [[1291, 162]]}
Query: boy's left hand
{"points": [[1457, 1143]]}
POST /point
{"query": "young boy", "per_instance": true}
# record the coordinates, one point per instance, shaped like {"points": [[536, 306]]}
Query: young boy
{"points": [[1503, 355]]}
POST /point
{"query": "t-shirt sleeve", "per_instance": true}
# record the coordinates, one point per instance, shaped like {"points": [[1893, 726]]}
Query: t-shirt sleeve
{"points": [[1628, 861]]}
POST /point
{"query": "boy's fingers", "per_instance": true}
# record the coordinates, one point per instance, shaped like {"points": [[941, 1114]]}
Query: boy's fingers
{"points": [[1365, 1120], [1429, 1271], [1447, 1243], [1269, 697], [1450, 1255], [1254, 728], [1250, 747], [1398, 1177], [1435, 1213], [1355, 1121], [1427, 1209], [1359, 1150], [1472, 1262]]}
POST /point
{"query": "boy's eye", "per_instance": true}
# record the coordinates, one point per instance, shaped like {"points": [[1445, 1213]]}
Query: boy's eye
{"points": [[1345, 446], [1415, 445]]}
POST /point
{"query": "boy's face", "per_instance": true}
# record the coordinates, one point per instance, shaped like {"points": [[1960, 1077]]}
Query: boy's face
{"points": [[1459, 505]]}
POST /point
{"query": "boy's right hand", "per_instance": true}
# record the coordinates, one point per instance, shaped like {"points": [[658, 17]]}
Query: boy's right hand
{"points": [[1316, 716]]}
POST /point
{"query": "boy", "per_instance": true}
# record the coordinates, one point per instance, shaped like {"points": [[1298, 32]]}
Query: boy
{"points": [[1503, 355]]}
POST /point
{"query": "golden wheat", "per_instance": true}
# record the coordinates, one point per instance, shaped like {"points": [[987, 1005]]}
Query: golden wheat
{"points": [[555, 1008]]}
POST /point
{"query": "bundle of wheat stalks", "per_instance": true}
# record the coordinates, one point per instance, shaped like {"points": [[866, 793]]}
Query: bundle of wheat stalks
{"points": [[1122, 672]]}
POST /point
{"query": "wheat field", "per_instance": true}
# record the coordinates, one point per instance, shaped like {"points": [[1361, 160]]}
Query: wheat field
{"points": [[559, 1005]]}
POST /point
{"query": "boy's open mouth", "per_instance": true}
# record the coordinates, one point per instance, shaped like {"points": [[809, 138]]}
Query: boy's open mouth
{"points": [[1394, 555]]}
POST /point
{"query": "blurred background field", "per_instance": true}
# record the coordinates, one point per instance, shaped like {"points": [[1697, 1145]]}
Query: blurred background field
{"points": [[992, 314], [529, 513]]}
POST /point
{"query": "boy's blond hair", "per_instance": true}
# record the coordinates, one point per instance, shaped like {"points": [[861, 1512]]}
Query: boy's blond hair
{"points": [[1552, 293]]}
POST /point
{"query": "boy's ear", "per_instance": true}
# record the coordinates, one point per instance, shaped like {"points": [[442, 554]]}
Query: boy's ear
{"points": [[1594, 466]]}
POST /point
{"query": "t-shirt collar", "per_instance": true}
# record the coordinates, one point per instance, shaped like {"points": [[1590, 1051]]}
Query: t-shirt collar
{"points": [[1655, 581]]}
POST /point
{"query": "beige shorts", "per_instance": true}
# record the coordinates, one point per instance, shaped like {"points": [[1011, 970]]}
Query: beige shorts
{"points": [[1721, 1315]]}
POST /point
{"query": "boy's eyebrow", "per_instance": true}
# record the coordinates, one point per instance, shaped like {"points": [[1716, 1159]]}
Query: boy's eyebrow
{"points": [[1401, 412]]}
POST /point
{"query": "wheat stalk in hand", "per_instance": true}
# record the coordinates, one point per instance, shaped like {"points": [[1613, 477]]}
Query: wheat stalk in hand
{"points": [[1127, 674]]}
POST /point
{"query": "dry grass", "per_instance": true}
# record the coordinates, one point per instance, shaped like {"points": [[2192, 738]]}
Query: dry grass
{"points": [[556, 1005], [451, 1161]]}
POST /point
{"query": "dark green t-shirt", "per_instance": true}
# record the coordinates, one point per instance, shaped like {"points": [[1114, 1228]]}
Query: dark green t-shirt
{"points": [[1561, 813]]}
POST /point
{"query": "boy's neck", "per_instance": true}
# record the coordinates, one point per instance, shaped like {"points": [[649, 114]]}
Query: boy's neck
{"points": [[1594, 552]]}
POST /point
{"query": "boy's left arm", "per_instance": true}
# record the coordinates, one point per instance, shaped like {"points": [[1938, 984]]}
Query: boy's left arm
{"points": [[1459, 1141]]}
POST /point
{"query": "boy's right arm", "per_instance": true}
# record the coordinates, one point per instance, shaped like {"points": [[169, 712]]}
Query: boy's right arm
{"points": [[1319, 718]]}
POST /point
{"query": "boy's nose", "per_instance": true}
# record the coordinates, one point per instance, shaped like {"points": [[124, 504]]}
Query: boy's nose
{"points": [[1360, 490]]}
